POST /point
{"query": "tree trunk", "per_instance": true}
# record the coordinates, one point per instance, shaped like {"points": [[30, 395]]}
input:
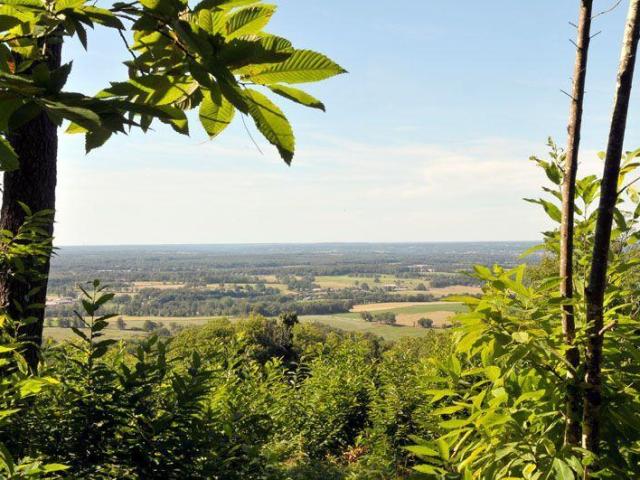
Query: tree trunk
{"points": [[572, 408], [608, 197], [34, 184]]}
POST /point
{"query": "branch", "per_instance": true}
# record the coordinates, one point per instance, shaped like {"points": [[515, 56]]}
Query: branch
{"points": [[608, 327], [126, 44], [628, 185], [610, 9], [250, 136]]}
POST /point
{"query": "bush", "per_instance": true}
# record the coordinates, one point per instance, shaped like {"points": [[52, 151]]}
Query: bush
{"points": [[251, 399], [425, 323], [388, 318]]}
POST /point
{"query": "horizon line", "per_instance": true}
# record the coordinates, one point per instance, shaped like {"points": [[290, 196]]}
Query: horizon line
{"points": [[251, 244]]}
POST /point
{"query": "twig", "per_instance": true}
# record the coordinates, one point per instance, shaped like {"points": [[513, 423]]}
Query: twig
{"points": [[126, 44], [250, 136], [608, 327], [610, 9], [628, 185], [568, 95]]}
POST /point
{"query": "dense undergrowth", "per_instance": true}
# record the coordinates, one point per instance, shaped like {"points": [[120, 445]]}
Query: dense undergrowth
{"points": [[258, 399]]}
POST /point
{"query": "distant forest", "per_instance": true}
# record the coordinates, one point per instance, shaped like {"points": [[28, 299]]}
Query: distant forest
{"points": [[238, 274]]}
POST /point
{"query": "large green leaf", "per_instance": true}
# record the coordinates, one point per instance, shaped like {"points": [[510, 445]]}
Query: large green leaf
{"points": [[552, 210], [166, 7], [223, 4], [301, 67], [272, 123], [101, 16], [216, 112], [562, 470], [247, 52], [67, 4], [297, 96], [151, 89], [82, 116], [8, 158], [249, 20]]}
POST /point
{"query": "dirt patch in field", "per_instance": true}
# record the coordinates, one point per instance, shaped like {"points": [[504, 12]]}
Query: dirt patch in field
{"points": [[440, 318], [375, 307]]}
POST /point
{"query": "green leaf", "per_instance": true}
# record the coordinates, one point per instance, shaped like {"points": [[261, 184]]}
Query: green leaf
{"points": [[443, 448], [35, 385], [483, 272], [102, 16], [215, 113], [520, 337], [492, 372], [68, 4], [530, 396], [439, 394], [80, 333], [166, 7], [23, 114], [8, 157], [96, 138], [552, 210], [422, 450], [272, 123], [428, 469], [82, 116], [297, 96], [447, 410], [244, 54], [468, 340], [54, 467], [453, 424], [249, 20], [562, 470], [530, 250], [301, 67]]}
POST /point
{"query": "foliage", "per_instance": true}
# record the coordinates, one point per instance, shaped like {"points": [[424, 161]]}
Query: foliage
{"points": [[225, 401], [212, 56], [500, 399], [20, 255], [117, 414], [425, 323]]}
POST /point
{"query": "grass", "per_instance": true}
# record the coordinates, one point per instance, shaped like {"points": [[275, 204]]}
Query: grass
{"points": [[426, 308], [345, 281], [59, 334], [407, 314]]}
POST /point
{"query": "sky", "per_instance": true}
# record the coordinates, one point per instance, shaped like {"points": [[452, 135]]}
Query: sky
{"points": [[427, 138]]}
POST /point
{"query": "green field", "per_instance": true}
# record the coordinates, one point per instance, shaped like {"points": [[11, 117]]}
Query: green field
{"points": [[350, 322], [345, 281], [58, 333], [424, 308]]}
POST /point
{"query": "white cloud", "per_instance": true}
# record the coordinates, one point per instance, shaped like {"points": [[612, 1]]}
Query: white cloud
{"points": [[337, 190]]}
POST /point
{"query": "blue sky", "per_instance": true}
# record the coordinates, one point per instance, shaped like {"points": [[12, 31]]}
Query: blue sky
{"points": [[426, 139]]}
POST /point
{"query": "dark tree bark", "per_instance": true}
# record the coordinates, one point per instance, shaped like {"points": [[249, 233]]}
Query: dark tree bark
{"points": [[34, 184], [608, 197], [573, 403]]}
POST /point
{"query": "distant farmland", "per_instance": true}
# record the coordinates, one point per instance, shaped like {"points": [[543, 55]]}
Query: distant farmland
{"points": [[407, 316]]}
